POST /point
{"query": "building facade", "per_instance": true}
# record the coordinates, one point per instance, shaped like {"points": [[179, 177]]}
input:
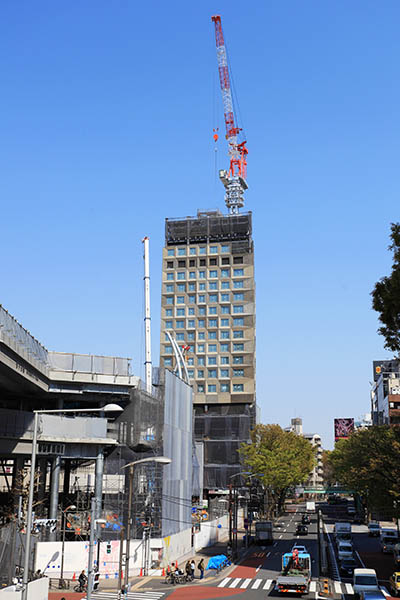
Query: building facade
{"points": [[385, 393], [316, 477], [208, 307]]}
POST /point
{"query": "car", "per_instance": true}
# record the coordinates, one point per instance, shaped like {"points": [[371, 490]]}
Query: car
{"points": [[345, 550], [358, 519], [299, 548], [305, 519], [347, 566], [394, 582], [376, 595], [351, 510], [301, 529], [374, 529], [365, 580]]}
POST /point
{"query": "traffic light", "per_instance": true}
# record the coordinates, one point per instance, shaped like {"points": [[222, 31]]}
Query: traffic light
{"points": [[108, 547]]}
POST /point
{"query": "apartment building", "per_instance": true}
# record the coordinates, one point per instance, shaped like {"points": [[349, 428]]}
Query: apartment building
{"points": [[208, 307], [316, 477]]}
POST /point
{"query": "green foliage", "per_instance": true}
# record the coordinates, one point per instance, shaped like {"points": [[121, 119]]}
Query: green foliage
{"points": [[281, 460], [369, 463], [386, 297]]}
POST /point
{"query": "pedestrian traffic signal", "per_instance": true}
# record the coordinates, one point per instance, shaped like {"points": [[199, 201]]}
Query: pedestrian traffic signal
{"points": [[108, 547]]}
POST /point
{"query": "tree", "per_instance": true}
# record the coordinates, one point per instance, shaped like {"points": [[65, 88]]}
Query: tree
{"points": [[386, 297], [368, 462], [280, 459]]}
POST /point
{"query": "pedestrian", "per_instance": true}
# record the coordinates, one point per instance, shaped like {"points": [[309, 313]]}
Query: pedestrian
{"points": [[192, 566], [188, 569], [200, 567]]}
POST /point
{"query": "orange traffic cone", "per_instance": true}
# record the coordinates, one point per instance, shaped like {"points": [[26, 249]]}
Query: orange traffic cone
{"points": [[163, 572], [141, 572], [176, 564], [73, 577]]}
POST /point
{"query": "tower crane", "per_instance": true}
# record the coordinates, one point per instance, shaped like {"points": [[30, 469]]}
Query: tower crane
{"points": [[234, 179]]}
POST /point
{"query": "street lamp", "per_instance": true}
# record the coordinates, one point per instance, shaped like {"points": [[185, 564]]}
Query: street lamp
{"points": [[107, 408], [163, 460], [93, 526], [61, 583]]}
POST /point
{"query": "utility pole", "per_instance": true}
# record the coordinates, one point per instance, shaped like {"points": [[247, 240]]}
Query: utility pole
{"points": [[128, 528]]}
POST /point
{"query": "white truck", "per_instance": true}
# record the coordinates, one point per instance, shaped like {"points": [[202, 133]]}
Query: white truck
{"points": [[310, 507], [342, 532], [264, 535]]}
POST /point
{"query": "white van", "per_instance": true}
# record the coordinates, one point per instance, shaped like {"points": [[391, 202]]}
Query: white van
{"points": [[345, 550], [341, 529], [310, 507], [365, 580], [385, 532]]}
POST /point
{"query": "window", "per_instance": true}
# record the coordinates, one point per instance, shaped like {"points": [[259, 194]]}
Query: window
{"points": [[192, 262], [192, 275], [211, 388], [213, 250], [180, 299], [181, 264], [191, 324], [238, 334], [224, 335], [192, 251], [213, 322], [170, 299], [212, 373], [224, 272], [202, 274], [213, 285], [180, 275], [202, 250], [239, 308], [202, 287], [190, 336], [224, 248], [170, 276], [201, 335], [180, 312], [191, 311], [180, 337], [201, 361], [169, 287], [238, 387], [224, 372], [238, 285], [213, 297], [225, 261], [213, 273], [212, 310], [191, 348], [192, 287], [181, 251], [212, 335], [238, 321], [180, 324], [201, 298], [213, 262], [224, 297], [212, 347], [224, 285], [181, 287], [224, 323], [238, 260], [168, 349], [167, 362], [191, 373], [200, 388], [170, 264], [238, 372], [224, 347], [224, 387], [202, 311], [200, 373], [238, 272], [238, 360], [170, 252], [168, 325], [190, 362], [200, 348], [192, 299], [238, 347], [238, 296], [212, 360], [224, 360], [202, 262], [225, 310], [168, 312], [201, 322]]}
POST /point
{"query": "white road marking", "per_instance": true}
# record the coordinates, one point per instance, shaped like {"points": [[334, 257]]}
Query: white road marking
{"points": [[280, 536], [256, 584], [313, 586], [268, 554], [245, 584], [267, 584], [361, 560], [258, 568], [349, 588], [384, 590], [235, 582], [224, 582], [337, 587]]}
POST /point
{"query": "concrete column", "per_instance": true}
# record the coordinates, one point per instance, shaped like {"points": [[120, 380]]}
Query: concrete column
{"points": [[66, 482], [98, 482], [42, 464], [54, 490]]}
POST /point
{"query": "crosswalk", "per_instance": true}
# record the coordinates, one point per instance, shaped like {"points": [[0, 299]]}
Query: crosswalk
{"points": [[133, 595], [339, 587]]}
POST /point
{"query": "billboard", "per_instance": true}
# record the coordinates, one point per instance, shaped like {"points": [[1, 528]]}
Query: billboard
{"points": [[385, 366], [343, 428]]}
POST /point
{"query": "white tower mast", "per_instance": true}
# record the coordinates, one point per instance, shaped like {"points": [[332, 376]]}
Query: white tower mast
{"points": [[147, 318]]}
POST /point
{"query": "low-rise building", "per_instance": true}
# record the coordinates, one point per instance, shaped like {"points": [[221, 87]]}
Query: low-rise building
{"points": [[385, 393]]}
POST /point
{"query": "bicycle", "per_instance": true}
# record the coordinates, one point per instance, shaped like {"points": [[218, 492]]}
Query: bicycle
{"points": [[80, 588]]}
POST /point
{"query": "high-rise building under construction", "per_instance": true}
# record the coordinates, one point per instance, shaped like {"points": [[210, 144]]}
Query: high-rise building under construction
{"points": [[208, 307]]}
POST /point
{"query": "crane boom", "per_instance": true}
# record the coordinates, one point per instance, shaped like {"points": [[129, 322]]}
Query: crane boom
{"points": [[233, 179]]}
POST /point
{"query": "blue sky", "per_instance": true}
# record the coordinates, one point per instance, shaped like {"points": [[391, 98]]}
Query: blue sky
{"points": [[106, 115]]}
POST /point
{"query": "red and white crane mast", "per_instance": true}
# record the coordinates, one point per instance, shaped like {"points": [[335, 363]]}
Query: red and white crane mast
{"points": [[234, 179]]}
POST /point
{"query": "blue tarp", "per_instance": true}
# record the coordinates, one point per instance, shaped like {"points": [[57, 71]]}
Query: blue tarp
{"points": [[216, 561]]}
